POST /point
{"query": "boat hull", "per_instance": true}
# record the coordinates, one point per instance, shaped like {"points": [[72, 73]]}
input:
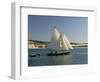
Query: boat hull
{"points": [[34, 55], [55, 54]]}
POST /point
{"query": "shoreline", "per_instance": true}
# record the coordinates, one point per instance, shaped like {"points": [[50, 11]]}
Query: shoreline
{"points": [[73, 47]]}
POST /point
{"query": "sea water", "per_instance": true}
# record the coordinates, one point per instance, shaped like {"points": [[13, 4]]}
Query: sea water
{"points": [[76, 56]]}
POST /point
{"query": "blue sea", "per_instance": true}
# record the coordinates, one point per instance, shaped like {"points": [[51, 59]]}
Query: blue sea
{"points": [[76, 56]]}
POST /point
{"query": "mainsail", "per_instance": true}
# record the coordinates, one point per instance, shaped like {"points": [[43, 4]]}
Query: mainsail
{"points": [[59, 41], [67, 42], [62, 42]]}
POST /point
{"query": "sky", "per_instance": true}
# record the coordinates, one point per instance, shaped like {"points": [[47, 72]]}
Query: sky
{"points": [[41, 27]]}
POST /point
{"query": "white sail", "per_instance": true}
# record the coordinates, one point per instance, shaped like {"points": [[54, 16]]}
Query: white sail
{"points": [[59, 41], [62, 42], [54, 39], [55, 35], [68, 43]]}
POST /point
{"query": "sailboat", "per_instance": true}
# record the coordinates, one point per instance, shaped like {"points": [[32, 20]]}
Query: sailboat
{"points": [[59, 44]]}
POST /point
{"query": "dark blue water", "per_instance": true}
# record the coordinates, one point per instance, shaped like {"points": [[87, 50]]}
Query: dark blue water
{"points": [[76, 56]]}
